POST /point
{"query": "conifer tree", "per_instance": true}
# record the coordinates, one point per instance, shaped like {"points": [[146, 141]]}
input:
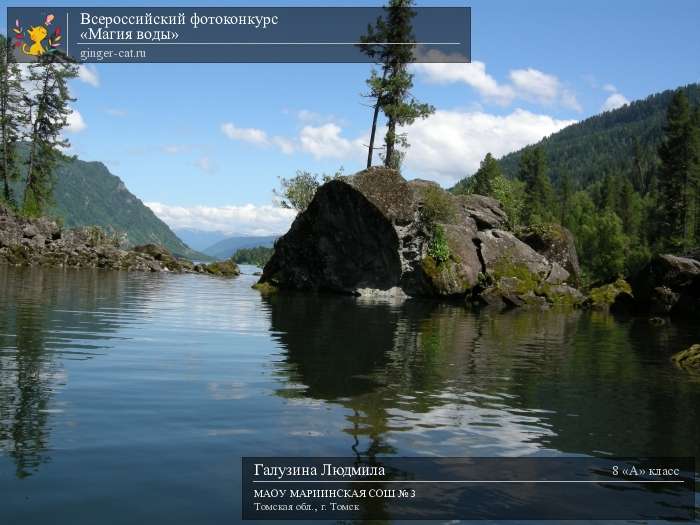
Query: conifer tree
{"points": [[695, 169], [485, 176], [12, 118], [539, 195], [566, 194], [392, 89], [678, 177], [49, 112]]}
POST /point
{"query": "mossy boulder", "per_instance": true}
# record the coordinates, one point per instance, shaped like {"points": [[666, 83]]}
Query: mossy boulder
{"points": [[227, 268], [264, 288], [688, 359], [602, 297], [375, 233], [166, 259], [513, 283]]}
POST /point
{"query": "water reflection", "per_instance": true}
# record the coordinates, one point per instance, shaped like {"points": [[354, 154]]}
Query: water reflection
{"points": [[171, 374], [519, 383], [47, 318]]}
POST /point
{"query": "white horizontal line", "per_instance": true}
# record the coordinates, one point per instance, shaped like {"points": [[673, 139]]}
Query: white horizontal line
{"points": [[268, 43], [470, 481]]}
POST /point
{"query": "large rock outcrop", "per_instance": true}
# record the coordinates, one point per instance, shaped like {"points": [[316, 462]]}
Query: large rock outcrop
{"points": [[376, 233]]}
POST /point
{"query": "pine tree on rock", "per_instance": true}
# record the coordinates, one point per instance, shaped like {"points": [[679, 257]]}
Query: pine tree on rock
{"points": [[392, 90]]}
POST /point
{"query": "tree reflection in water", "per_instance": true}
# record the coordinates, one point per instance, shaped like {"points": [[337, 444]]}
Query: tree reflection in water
{"points": [[518, 382], [48, 317]]}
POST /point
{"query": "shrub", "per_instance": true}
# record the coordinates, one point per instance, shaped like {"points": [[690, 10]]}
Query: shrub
{"points": [[438, 248], [438, 205], [298, 192]]}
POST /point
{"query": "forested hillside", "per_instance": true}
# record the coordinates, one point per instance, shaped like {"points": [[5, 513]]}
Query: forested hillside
{"points": [[87, 194], [624, 140], [626, 182]]}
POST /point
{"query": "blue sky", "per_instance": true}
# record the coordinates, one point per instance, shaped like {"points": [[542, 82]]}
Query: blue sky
{"points": [[204, 144]]}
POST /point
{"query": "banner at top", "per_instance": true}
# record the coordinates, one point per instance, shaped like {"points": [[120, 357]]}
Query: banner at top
{"points": [[240, 34]]}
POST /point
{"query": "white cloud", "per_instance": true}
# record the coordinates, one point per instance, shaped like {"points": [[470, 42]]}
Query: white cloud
{"points": [[206, 164], [258, 137], [445, 147], [610, 88], [449, 145], [536, 86], [614, 101], [88, 74], [246, 219], [473, 74], [76, 123], [528, 84], [252, 135], [325, 141]]}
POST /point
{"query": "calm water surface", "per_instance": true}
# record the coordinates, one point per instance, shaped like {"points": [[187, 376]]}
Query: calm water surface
{"points": [[130, 398]]}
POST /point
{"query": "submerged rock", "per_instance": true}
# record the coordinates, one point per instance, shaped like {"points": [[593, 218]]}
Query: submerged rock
{"points": [[227, 268], [374, 233], [688, 359]]}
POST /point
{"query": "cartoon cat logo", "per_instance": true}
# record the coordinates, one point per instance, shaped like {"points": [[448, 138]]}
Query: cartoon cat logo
{"points": [[37, 35]]}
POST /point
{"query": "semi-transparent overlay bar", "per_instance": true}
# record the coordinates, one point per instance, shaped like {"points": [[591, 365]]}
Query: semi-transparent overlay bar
{"points": [[239, 34], [532, 488]]}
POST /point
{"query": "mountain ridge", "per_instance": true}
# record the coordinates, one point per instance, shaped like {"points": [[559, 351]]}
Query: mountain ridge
{"points": [[605, 143], [227, 247], [86, 193]]}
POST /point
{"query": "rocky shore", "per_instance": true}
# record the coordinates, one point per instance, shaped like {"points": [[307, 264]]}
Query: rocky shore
{"points": [[42, 242], [374, 233]]}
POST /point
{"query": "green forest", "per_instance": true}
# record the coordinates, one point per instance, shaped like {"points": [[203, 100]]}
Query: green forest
{"points": [[257, 256], [626, 183]]}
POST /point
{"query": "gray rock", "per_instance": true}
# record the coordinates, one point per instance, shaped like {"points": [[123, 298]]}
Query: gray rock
{"points": [[374, 234], [40, 242], [501, 249], [557, 274], [30, 230], [565, 294], [556, 243], [486, 211]]}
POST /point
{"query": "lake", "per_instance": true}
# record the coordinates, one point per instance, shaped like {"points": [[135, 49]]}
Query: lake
{"points": [[130, 398]]}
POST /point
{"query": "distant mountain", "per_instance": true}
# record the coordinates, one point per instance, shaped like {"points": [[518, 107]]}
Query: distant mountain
{"points": [[86, 194], [199, 239], [609, 143], [226, 248]]}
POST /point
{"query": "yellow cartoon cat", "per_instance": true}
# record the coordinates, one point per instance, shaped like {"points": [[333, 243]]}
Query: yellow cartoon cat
{"points": [[37, 35]]}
